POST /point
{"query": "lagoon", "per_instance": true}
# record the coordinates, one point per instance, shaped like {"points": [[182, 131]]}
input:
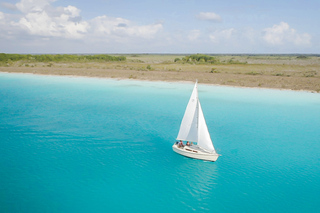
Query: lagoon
{"points": [[72, 144]]}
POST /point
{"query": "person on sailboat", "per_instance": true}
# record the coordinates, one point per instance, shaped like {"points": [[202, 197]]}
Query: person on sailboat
{"points": [[180, 144], [188, 144]]}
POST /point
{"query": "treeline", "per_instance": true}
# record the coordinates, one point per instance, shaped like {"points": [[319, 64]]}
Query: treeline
{"points": [[204, 59], [198, 58], [59, 58]]}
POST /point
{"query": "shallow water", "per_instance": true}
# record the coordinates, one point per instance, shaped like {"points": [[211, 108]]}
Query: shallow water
{"points": [[97, 145]]}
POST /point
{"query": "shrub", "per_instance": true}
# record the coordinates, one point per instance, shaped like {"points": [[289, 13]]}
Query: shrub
{"points": [[58, 58], [200, 58], [214, 70], [253, 73]]}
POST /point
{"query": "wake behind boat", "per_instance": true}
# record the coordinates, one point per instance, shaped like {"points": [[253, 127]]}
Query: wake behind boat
{"points": [[194, 129]]}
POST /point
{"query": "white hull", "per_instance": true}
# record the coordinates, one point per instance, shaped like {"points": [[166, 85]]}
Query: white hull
{"points": [[195, 153]]}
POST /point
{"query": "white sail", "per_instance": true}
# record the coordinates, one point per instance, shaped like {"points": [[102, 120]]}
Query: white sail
{"points": [[193, 127], [189, 125], [204, 139]]}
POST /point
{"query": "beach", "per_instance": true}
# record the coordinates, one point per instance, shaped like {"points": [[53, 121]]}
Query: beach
{"points": [[277, 72]]}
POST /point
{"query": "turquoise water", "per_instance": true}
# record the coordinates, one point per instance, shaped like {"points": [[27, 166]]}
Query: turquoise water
{"points": [[96, 145]]}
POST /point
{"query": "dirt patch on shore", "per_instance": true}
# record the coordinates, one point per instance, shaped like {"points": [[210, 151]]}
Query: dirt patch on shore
{"points": [[227, 77]]}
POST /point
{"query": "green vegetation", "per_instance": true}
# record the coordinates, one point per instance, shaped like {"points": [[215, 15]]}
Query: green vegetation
{"points": [[204, 59], [198, 58], [302, 57], [214, 70], [253, 73], [232, 61], [7, 58]]}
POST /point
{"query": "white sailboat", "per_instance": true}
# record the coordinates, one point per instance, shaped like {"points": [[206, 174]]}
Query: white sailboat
{"points": [[194, 129]]}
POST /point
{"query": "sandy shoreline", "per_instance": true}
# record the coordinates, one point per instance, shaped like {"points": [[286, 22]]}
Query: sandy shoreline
{"points": [[191, 81], [259, 71]]}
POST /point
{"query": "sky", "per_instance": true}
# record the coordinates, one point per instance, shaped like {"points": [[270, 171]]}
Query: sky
{"points": [[160, 26]]}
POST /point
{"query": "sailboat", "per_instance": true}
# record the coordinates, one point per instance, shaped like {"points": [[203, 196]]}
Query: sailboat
{"points": [[194, 130]]}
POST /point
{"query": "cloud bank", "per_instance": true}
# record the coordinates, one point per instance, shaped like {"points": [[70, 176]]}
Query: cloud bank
{"points": [[282, 33], [40, 18], [38, 26]]}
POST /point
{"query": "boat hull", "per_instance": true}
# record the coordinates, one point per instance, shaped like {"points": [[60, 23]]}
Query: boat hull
{"points": [[196, 154]]}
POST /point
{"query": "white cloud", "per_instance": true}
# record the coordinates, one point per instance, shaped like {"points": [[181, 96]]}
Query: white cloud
{"points": [[7, 30], [302, 39], [107, 28], [26, 6], [40, 23], [194, 35], [222, 35], [41, 18], [209, 16], [282, 34]]}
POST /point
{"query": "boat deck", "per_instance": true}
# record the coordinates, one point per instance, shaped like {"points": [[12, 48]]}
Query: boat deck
{"points": [[194, 148], [195, 152]]}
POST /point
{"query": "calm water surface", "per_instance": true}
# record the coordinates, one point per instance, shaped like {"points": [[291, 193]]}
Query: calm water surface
{"points": [[97, 145]]}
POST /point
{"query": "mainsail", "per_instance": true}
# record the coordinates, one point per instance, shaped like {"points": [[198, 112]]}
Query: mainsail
{"points": [[193, 127]]}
